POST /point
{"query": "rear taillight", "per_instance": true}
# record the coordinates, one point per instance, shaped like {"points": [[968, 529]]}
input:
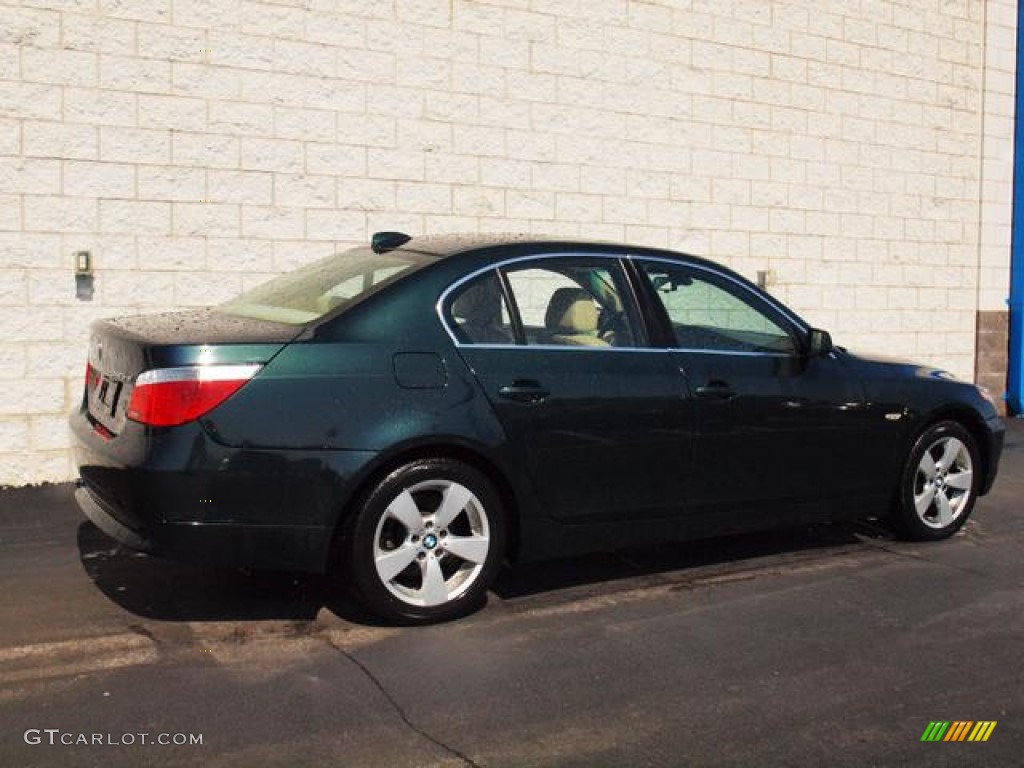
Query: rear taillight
{"points": [[165, 397], [90, 375]]}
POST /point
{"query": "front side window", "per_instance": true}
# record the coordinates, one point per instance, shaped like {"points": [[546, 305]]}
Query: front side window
{"points": [[710, 312], [572, 302]]}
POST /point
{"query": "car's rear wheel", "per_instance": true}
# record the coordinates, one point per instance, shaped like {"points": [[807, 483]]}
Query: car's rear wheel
{"points": [[427, 542], [940, 483]]}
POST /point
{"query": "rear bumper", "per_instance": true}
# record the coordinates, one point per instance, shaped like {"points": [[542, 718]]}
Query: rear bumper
{"points": [[179, 494], [100, 516], [271, 547]]}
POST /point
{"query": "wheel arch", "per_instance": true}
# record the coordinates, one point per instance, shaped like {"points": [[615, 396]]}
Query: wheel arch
{"points": [[969, 420], [442, 448]]}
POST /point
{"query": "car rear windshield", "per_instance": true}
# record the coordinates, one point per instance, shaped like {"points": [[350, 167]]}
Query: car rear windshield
{"points": [[312, 291]]}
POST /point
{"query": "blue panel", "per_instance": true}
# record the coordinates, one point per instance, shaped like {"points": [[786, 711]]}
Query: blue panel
{"points": [[1016, 382]]}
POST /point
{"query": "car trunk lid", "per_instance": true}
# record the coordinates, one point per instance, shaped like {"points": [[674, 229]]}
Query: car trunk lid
{"points": [[121, 349]]}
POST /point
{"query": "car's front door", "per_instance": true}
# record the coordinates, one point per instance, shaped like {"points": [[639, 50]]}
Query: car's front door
{"points": [[600, 420], [776, 425]]}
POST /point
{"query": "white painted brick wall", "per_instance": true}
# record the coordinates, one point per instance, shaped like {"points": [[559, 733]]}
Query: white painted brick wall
{"points": [[997, 158], [862, 152]]}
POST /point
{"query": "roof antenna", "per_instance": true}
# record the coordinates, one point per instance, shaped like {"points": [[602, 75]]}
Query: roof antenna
{"points": [[386, 241]]}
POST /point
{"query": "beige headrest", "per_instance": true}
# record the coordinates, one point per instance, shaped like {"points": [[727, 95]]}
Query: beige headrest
{"points": [[571, 311]]}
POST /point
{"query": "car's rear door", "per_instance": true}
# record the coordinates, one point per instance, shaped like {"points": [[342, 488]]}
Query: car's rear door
{"points": [[600, 420]]}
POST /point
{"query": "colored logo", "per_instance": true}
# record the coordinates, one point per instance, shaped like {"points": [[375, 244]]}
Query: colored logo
{"points": [[958, 730]]}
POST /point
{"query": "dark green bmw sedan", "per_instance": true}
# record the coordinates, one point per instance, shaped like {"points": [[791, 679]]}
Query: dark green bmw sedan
{"points": [[409, 415]]}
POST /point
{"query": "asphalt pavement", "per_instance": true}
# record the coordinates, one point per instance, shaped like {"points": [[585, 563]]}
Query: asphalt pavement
{"points": [[828, 645]]}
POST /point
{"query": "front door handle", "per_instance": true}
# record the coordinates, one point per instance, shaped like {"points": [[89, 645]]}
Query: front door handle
{"points": [[715, 390], [529, 392]]}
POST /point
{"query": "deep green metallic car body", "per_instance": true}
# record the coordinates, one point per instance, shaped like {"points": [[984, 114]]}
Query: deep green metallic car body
{"points": [[629, 445]]}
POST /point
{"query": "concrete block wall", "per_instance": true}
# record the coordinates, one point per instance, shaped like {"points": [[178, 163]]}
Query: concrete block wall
{"points": [[196, 147], [997, 159]]}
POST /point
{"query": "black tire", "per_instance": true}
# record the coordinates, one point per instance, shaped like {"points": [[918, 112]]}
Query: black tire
{"points": [[937, 494], [435, 562]]}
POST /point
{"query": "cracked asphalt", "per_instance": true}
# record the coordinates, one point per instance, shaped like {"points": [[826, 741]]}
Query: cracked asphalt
{"points": [[831, 645]]}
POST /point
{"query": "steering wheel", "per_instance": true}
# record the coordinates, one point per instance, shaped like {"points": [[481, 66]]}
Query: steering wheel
{"points": [[609, 324]]}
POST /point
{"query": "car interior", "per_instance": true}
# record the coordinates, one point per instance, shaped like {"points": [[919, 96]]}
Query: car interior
{"points": [[571, 320], [479, 314], [558, 307]]}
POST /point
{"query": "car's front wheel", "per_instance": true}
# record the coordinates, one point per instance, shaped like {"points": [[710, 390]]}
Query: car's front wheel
{"points": [[940, 483], [427, 541]]}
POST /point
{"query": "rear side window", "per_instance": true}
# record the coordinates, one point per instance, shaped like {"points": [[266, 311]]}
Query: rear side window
{"points": [[550, 302], [572, 302], [305, 295], [479, 314]]}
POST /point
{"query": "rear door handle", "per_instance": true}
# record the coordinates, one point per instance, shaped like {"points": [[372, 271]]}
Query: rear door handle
{"points": [[529, 392], [715, 390]]}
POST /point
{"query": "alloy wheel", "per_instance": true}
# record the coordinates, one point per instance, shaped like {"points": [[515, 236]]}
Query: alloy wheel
{"points": [[431, 543], [943, 483]]}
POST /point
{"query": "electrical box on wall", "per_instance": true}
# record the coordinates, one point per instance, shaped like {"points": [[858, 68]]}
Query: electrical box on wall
{"points": [[83, 276]]}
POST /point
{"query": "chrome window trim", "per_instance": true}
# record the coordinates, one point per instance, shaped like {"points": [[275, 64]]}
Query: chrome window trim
{"points": [[567, 347], [658, 350], [620, 258], [198, 373]]}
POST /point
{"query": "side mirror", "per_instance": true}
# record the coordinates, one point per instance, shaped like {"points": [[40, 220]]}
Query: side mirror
{"points": [[819, 343]]}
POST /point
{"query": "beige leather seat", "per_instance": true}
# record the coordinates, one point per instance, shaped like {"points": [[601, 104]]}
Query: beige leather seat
{"points": [[479, 310], [571, 319]]}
